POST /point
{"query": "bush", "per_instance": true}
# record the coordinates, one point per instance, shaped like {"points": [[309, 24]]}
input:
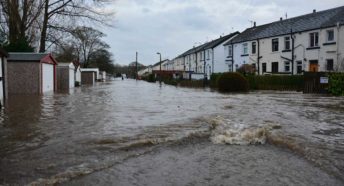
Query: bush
{"points": [[151, 78], [232, 82], [336, 84], [213, 79], [275, 82], [192, 83]]}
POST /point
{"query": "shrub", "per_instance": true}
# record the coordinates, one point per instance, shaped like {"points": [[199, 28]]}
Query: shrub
{"points": [[336, 84], [192, 83], [151, 78], [232, 82], [213, 79], [275, 82]]}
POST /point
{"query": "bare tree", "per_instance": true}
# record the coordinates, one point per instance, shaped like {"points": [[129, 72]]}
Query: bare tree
{"points": [[88, 41], [70, 11]]}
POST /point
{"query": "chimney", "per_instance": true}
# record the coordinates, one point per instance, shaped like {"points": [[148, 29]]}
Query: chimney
{"points": [[254, 24], [281, 18], [314, 10]]}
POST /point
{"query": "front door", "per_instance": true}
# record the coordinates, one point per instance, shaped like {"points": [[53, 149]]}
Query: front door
{"points": [[313, 66]]}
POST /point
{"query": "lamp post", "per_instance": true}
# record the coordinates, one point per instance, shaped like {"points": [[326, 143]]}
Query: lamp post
{"points": [[160, 67]]}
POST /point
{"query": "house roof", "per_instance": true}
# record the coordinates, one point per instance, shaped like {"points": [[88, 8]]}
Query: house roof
{"points": [[208, 45], [312, 21], [220, 40], [158, 63], [3, 52], [31, 57]]}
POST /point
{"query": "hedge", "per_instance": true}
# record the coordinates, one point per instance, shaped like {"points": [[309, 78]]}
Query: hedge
{"points": [[336, 84], [275, 82]]}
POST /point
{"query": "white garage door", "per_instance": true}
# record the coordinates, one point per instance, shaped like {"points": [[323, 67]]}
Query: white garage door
{"points": [[71, 78], [48, 77]]}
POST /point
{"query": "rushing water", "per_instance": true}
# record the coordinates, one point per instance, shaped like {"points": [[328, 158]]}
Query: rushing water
{"points": [[137, 133]]}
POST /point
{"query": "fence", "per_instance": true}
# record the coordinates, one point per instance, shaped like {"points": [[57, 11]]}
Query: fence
{"points": [[315, 82]]}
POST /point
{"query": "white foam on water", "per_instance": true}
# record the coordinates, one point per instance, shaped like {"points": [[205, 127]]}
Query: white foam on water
{"points": [[227, 132]]}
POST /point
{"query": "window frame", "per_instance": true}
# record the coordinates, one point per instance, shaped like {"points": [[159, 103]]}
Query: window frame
{"points": [[245, 48], [314, 39], [275, 43], [327, 65], [254, 47], [285, 43], [263, 67], [230, 51], [286, 65], [328, 35]]}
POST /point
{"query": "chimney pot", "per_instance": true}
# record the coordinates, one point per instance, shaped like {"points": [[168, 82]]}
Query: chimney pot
{"points": [[281, 18], [254, 24], [314, 10]]}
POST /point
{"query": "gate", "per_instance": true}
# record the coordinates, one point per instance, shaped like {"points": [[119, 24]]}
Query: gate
{"points": [[315, 82]]}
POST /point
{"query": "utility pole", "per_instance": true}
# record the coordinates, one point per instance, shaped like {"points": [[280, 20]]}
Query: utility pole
{"points": [[136, 74], [160, 67]]}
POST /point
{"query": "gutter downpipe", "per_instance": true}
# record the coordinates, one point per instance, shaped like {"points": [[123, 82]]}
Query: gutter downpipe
{"points": [[258, 57], [232, 57], [204, 69], [212, 54], [292, 51], [338, 54]]}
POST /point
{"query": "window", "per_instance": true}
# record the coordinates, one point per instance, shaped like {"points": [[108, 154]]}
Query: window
{"points": [[208, 54], [286, 66], [244, 49], [254, 46], [202, 56], [275, 45], [274, 67], [230, 50], [264, 67], [299, 67], [330, 35], [329, 64], [314, 39], [287, 43]]}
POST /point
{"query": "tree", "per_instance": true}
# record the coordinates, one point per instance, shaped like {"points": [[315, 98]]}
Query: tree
{"points": [[18, 19], [38, 21], [88, 41], [69, 11], [102, 59]]}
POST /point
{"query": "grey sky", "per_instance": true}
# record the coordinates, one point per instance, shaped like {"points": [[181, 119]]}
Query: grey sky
{"points": [[173, 26]]}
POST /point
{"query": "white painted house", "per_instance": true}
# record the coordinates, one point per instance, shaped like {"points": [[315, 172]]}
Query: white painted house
{"points": [[311, 42], [3, 76], [214, 56]]}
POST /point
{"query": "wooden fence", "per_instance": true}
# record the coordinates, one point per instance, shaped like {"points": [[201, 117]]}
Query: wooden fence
{"points": [[315, 82]]}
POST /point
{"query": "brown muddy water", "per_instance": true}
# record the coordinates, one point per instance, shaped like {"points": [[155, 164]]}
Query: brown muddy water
{"points": [[137, 133]]}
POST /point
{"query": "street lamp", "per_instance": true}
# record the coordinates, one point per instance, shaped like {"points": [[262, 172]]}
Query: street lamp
{"points": [[160, 67]]}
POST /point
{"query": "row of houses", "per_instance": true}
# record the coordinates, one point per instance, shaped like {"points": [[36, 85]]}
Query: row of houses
{"points": [[312, 42], [38, 73]]}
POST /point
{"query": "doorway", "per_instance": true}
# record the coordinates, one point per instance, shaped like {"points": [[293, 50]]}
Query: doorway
{"points": [[313, 66]]}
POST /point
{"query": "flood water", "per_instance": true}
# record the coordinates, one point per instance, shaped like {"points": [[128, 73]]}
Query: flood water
{"points": [[137, 133]]}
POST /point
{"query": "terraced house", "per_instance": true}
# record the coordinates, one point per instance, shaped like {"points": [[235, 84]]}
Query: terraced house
{"points": [[311, 42]]}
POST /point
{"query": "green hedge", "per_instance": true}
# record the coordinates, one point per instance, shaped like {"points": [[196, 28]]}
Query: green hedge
{"points": [[336, 84], [232, 82], [213, 79], [275, 82], [192, 83]]}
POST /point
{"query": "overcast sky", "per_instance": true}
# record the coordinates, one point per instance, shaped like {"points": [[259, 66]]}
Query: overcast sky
{"points": [[173, 26]]}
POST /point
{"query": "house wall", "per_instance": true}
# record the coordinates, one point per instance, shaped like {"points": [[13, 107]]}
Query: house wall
{"points": [[23, 77], [238, 56], [303, 53], [87, 78], [178, 64], [47, 77]]}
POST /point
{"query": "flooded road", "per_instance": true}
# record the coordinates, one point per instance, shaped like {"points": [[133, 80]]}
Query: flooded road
{"points": [[137, 133]]}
